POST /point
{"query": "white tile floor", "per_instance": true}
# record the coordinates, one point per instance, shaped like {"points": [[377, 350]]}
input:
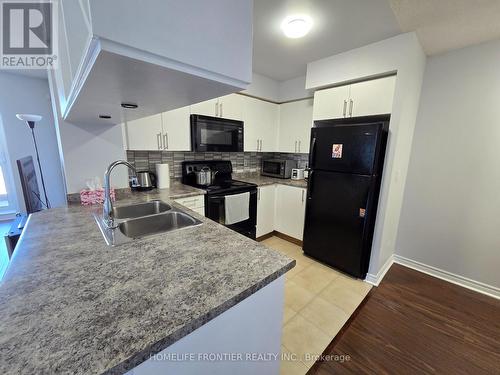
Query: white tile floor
{"points": [[318, 301]]}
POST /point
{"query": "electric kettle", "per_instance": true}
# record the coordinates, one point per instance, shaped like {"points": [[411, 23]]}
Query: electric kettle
{"points": [[144, 180]]}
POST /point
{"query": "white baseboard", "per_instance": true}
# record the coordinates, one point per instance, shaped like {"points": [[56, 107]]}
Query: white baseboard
{"points": [[376, 279], [465, 282]]}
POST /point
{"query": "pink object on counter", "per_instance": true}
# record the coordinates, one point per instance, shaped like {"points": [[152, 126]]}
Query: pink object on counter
{"points": [[91, 197]]}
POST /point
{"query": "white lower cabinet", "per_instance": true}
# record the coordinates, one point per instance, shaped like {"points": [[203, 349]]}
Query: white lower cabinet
{"points": [[290, 210], [196, 203], [265, 209]]}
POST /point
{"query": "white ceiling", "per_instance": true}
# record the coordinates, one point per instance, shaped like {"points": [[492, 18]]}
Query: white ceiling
{"points": [[339, 25], [443, 25]]}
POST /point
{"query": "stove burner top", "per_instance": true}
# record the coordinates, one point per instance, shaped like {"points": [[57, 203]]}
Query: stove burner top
{"points": [[228, 184], [222, 183]]}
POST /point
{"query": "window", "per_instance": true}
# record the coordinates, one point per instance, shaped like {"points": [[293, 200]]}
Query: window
{"points": [[4, 201], [7, 200]]}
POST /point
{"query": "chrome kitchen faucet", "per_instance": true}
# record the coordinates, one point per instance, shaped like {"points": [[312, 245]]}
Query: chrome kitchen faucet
{"points": [[107, 209]]}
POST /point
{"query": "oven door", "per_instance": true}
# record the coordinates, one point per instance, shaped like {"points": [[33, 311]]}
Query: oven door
{"points": [[215, 210], [216, 134], [272, 168]]}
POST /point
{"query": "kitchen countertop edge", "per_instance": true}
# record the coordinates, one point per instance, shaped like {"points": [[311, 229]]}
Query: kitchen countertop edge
{"points": [[143, 356]]}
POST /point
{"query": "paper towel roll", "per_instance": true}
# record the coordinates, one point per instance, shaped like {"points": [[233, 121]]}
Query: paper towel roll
{"points": [[163, 175]]}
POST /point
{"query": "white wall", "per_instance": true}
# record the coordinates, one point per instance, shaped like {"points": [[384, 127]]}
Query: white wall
{"points": [[87, 150], [404, 55], [278, 91], [450, 215], [263, 87], [293, 89], [20, 94]]}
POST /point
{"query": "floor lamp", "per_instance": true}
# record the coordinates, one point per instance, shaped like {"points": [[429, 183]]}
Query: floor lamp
{"points": [[30, 120]]}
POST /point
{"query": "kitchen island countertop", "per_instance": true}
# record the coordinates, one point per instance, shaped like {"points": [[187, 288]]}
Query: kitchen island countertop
{"points": [[259, 180], [71, 304]]}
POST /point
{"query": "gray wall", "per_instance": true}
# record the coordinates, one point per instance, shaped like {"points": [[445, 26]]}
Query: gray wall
{"points": [[450, 218], [21, 94], [86, 150]]}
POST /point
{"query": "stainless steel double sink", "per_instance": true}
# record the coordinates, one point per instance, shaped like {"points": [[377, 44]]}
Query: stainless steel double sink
{"points": [[140, 220]]}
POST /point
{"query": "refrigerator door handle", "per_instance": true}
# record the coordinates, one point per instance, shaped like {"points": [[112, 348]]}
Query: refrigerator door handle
{"points": [[310, 187], [312, 152]]}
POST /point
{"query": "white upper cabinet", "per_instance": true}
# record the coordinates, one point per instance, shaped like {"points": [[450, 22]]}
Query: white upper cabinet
{"points": [[331, 103], [358, 99], [295, 126], [372, 97], [206, 108], [231, 106], [144, 133], [166, 55], [167, 131], [228, 106], [176, 134], [261, 120]]}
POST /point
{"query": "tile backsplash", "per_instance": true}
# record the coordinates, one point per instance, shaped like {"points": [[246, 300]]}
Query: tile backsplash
{"points": [[242, 161]]}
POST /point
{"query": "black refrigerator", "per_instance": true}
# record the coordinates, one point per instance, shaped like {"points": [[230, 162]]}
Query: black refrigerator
{"points": [[346, 160]]}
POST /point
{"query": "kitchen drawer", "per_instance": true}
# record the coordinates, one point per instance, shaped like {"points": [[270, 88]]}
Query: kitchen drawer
{"points": [[192, 202]]}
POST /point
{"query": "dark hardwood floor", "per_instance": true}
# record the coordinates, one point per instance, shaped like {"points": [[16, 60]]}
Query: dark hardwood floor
{"points": [[417, 324]]}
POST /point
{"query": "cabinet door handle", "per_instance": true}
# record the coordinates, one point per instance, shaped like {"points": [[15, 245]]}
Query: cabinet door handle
{"points": [[257, 145], [221, 110], [216, 109], [299, 144], [165, 141], [295, 146], [258, 194], [351, 103], [345, 108], [261, 145], [302, 195], [158, 140]]}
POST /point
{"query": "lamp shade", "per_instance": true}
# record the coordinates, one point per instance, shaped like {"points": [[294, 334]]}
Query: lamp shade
{"points": [[27, 117]]}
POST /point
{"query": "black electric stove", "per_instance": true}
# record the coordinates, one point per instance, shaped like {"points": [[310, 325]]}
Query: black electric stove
{"points": [[222, 185]]}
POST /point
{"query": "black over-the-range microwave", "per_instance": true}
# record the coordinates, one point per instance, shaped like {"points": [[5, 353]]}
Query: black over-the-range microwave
{"points": [[216, 134]]}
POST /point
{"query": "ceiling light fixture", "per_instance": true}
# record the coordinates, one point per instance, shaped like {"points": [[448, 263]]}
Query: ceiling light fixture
{"points": [[296, 26], [129, 105]]}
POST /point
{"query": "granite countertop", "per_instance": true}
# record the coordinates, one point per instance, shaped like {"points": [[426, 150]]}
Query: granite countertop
{"points": [[256, 178], [71, 304], [176, 190]]}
